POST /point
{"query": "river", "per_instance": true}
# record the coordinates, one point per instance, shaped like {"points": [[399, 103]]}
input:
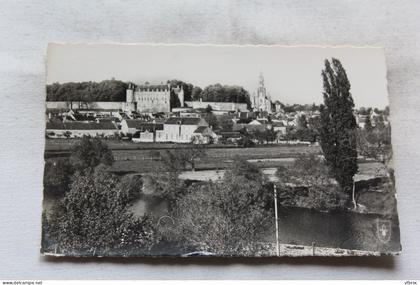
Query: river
{"points": [[339, 229]]}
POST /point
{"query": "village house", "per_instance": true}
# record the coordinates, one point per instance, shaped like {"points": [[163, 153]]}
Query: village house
{"points": [[259, 121], [251, 128], [246, 115], [71, 129], [175, 129], [279, 127], [146, 132], [241, 121], [204, 135], [180, 130], [131, 126], [229, 136], [187, 112], [361, 120], [278, 107]]}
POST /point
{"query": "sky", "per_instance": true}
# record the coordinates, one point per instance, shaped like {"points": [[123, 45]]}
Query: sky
{"points": [[291, 74]]}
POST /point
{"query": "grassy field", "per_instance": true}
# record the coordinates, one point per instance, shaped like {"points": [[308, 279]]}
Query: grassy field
{"points": [[114, 144], [143, 166], [138, 157], [216, 158], [141, 160], [226, 153], [66, 144]]}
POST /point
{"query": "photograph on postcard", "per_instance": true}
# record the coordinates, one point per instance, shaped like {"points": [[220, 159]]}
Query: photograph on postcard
{"points": [[217, 150]]}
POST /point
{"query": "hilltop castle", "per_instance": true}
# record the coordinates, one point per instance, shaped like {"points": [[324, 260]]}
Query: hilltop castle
{"points": [[151, 98]]}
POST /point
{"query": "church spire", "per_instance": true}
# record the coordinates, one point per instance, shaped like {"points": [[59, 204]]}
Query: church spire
{"points": [[261, 81], [261, 99]]}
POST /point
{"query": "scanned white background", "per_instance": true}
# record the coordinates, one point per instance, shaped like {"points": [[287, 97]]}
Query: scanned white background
{"points": [[27, 26]]}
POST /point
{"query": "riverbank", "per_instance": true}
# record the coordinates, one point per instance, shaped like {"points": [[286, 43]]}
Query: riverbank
{"points": [[285, 250], [302, 250]]}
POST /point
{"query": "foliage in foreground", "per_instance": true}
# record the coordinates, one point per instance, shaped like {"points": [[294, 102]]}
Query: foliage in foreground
{"points": [[57, 176], [92, 218], [85, 156], [224, 217], [307, 183]]}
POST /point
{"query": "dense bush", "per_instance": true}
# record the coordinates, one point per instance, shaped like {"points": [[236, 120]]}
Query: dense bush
{"points": [[89, 153], [225, 93], [92, 218], [246, 142], [308, 183], [107, 90], [224, 217], [57, 176]]}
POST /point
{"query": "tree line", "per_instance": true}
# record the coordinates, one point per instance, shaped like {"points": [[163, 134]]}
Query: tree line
{"points": [[299, 108], [211, 93], [104, 91], [225, 93], [115, 91]]}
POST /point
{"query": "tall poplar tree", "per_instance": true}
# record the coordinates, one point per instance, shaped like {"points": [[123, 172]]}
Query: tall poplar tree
{"points": [[338, 125]]}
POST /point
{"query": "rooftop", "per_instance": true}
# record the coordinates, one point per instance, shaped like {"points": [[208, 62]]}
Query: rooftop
{"points": [[200, 130], [150, 87], [134, 123], [55, 125], [249, 128], [183, 121]]}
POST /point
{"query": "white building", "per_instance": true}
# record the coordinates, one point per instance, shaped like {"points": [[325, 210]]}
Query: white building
{"points": [[152, 98], [130, 126], [204, 135], [278, 106], [175, 129], [218, 107], [70, 129], [279, 127], [180, 130], [146, 132]]}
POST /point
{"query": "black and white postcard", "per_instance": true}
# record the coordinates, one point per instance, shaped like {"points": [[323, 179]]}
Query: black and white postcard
{"points": [[217, 150]]}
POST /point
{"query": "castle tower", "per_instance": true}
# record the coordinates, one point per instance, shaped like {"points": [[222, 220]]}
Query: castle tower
{"points": [[181, 96], [129, 104], [129, 94]]}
